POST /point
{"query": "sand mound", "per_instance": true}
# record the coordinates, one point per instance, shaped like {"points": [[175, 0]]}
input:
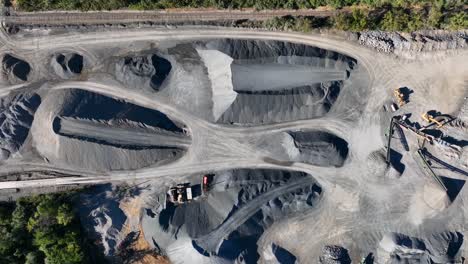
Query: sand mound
{"points": [[427, 203], [16, 117], [280, 81], [67, 65], [143, 71], [256, 198], [436, 248], [320, 148], [218, 65], [15, 70], [98, 132], [120, 133]]}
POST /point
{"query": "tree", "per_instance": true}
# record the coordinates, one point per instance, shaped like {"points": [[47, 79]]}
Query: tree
{"points": [[358, 20], [434, 17], [64, 214], [395, 20], [34, 257], [41, 229], [457, 21], [415, 22]]}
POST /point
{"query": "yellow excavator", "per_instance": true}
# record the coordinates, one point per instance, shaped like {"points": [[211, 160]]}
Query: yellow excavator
{"points": [[401, 98], [430, 119]]}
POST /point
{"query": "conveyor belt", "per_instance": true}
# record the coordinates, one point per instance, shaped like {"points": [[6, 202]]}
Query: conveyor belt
{"points": [[402, 137], [443, 163], [431, 172]]}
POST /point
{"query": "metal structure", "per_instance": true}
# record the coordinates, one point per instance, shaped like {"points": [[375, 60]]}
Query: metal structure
{"points": [[395, 124], [390, 135], [428, 170], [402, 137], [443, 163]]}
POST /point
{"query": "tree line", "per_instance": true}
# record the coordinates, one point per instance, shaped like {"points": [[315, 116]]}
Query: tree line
{"points": [[389, 15], [85, 5]]}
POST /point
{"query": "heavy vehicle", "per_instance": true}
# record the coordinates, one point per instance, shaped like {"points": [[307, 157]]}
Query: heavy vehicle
{"points": [[206, 182], [430, 119], [180, 194], [433, 120], [402, 99]]}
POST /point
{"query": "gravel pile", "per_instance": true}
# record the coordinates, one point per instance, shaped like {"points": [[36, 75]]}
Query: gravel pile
{"points": [[390, 42]]}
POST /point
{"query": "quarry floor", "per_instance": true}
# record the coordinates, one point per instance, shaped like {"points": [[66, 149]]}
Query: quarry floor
{"points": [[360, 201]]}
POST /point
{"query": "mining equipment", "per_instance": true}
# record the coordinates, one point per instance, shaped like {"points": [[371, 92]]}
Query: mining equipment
{"points": [[180, 194], [430, 119], [399, 123], [428, 156], [206, 182], [439, 119], [426, 168], [402, 99]]}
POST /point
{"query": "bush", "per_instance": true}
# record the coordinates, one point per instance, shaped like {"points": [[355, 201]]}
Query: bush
{"points": [[395, 20], [301, 24], [434, 17], [457, 21], [389, 15], [358, 20]]}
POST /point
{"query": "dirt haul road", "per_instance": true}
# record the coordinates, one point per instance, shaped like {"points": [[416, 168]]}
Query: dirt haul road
{"points": [[123, 17], [383, 71], [386, 72]]}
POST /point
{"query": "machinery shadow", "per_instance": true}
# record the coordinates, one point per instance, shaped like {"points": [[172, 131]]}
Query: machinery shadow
{"points": [[395, 161], [454, 186]]}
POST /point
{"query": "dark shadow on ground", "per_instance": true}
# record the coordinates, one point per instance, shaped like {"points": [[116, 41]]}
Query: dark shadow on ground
{"points": [[454, 186], [282, 255], [395, 161]]}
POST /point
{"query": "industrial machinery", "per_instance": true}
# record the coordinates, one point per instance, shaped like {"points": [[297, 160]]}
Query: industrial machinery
{"points": [[206, 182], [428, 170], [431, 120], [398, 123], [402, 99], [180, 194], [446, 165]]}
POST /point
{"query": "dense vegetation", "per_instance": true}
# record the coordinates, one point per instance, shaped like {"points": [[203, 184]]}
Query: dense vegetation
{"points": [[389, 15], [395, 19], [35, 5], [401, 19], [41, 229]]}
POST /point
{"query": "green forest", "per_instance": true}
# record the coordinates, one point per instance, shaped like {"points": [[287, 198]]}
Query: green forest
{"points": [[35, 5], [397, 19], [41, 229]]}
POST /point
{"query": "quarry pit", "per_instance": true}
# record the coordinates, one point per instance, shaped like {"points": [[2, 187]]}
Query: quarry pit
{"points": [[310, 156]]}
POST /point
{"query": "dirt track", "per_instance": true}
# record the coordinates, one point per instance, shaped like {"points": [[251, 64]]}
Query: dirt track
{"points": [[122, 17]]}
